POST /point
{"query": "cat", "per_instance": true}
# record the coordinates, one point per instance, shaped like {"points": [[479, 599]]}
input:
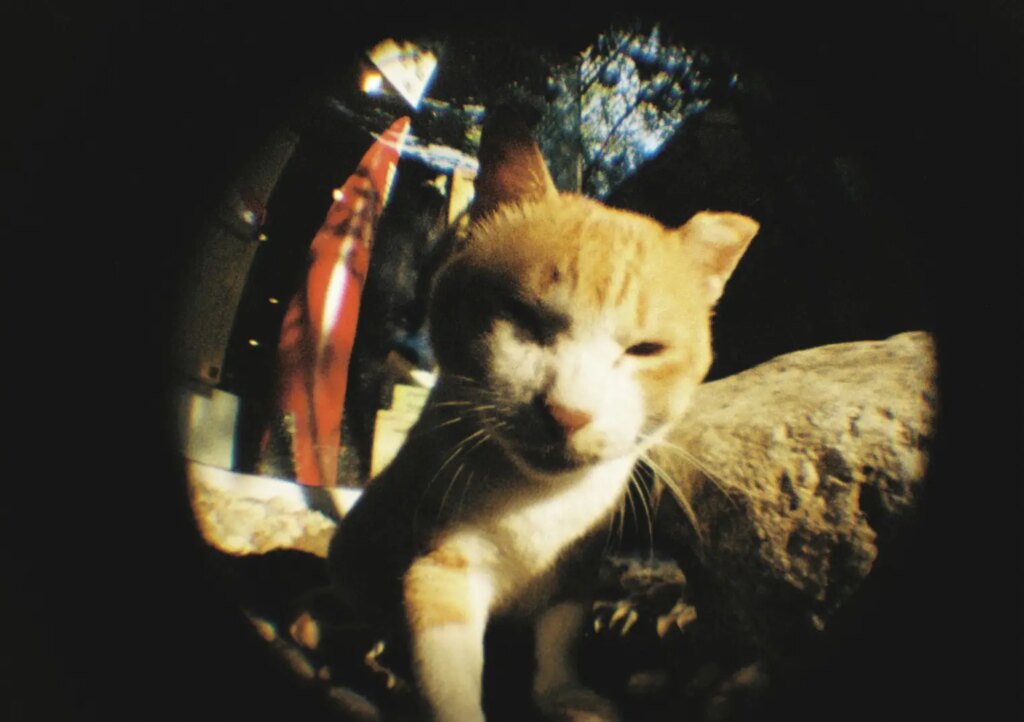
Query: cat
{"points": [[569, 337]]}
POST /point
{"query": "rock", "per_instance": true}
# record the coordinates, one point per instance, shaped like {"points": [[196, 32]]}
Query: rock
{"points": [[243, 514], [792, 475]]}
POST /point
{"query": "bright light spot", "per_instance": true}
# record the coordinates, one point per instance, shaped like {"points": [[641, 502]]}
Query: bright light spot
{"points": [[337, 195], [273, 301], [373, 82], [423, 378], [408, 68], [440, 184], [262, 237], [253, 342], [389, 180], [249, 217], [439, 157]]}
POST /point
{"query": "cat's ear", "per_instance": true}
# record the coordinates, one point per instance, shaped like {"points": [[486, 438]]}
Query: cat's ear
{"points": [[717, 241], [512, 170]]}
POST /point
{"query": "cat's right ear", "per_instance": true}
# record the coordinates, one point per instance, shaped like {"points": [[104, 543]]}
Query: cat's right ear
{"points": [[512, 169]]}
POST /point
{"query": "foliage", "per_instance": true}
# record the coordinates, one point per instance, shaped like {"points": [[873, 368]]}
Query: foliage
{"points": [[634, 92]]}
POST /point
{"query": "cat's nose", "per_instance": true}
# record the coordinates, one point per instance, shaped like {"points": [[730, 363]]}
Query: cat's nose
{"points": [[571, 420]]}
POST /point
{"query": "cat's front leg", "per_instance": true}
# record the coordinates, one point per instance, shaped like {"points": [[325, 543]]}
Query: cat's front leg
{"points": [[556, 689], [447, 600]]}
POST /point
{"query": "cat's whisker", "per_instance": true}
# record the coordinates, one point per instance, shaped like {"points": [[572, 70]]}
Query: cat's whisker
{"points": [[484, 438], [468, 380], [456, 451], [622, 519], [608, 531], [449, 422], [693, 461], [463, 445], [676, 492], [630, 504], [494, 424], [471, 411], [469, 408], [636, 481], [465, 488], [625, 502], [466, 452], [452, 402], [447, 491], [635, 486]]}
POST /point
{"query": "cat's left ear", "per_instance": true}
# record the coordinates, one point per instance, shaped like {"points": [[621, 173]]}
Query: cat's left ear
{"points": [[717, 241], [512, 169]]}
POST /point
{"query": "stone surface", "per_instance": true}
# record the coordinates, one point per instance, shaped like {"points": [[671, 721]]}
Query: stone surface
{"points": [[795, 471], [243, 514], [790, 480], [791, 476]]}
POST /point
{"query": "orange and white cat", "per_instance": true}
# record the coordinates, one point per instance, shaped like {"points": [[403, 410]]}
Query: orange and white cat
{"points": [[570, 337]]}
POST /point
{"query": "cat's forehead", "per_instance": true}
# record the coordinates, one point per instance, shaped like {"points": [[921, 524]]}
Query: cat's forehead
{"points": [[574, 253]]}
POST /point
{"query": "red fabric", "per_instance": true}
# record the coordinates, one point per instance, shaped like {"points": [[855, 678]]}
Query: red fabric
{"points": [[319, 326]]}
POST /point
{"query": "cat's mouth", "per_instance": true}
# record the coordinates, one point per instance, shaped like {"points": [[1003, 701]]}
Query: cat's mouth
{"points": [[555, 459], [551, 459], [544, 458], [544, 448]]}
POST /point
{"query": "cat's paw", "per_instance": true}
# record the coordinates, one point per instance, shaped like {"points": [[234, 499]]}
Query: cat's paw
{"points": [[576, 704], [675, 620], [615, 616]]}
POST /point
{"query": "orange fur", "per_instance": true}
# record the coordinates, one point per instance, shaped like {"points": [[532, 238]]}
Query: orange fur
{"points": [[436, 589]]}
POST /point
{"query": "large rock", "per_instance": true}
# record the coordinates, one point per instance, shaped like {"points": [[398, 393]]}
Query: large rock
{"points": [[790, 477], [789, 481]]}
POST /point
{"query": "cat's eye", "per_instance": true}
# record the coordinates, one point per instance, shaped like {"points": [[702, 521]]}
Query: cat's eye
{"points": [[524, 316], [646, 348]]}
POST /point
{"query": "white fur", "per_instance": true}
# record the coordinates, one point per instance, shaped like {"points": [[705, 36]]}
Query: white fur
{"points": [[521, 542], [515, 362], [505, 552], [591, 378], [450, 658], [584, 370], [510, 548], [449, 670]]}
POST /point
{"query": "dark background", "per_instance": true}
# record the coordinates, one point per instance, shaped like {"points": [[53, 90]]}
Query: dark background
{"points": [[129, 123]]}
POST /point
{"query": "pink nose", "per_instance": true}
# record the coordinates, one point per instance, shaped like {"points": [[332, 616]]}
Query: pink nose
{"points": [[571, 420]]}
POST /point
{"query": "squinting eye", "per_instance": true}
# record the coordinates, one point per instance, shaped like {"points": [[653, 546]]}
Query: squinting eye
{"points": [[522, 315], [645, 348]]}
